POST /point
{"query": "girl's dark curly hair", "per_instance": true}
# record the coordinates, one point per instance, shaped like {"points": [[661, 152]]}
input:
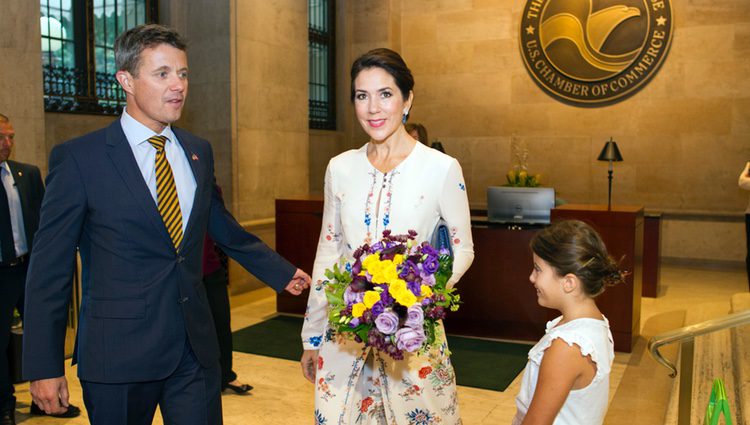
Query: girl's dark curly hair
{"points": [[572, 246]]}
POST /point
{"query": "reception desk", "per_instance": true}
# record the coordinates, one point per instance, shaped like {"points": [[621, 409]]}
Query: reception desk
{"points": [[498, 299]]}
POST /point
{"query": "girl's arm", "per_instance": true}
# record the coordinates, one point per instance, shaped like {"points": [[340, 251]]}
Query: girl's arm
{"points": [[563, 368]]}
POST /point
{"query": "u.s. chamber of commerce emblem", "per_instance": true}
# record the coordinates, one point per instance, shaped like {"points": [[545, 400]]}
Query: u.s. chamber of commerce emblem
{"points": [[594, 52]]}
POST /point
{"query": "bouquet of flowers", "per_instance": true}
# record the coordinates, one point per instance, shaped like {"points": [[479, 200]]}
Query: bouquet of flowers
{"points": [[393, 296]]}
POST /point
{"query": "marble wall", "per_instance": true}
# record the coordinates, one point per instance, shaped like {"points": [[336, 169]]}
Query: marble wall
{"points": [[21, 79], [270, 101], [684, 137], [208, 111]]}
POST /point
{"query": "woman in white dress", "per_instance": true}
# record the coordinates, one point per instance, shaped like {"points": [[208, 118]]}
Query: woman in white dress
{"points": [[393, 183]]}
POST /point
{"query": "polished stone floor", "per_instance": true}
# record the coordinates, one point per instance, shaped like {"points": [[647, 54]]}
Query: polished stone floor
{"points": [[281, 396]]}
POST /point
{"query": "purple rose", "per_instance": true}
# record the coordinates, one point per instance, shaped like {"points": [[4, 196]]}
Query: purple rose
{"points": [[414, 317], [410, 339], [431, 264], [387, 322], [427, 279], [351, 297], [354, 323], [377, 309]]}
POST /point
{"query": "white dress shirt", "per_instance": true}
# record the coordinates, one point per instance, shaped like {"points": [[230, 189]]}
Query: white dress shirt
{"points": [[145, 155], [16, 214]]}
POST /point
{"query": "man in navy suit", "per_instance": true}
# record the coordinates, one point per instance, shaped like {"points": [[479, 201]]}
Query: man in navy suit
{"points": [[145, 336]]}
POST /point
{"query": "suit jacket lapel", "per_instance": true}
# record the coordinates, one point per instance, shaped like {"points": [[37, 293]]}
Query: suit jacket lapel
{"points": [[188, 147], [122, 157]]}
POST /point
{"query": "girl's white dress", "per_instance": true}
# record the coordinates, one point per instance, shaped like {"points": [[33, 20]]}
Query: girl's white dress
{"points": [[361, 386], [586, 405]]}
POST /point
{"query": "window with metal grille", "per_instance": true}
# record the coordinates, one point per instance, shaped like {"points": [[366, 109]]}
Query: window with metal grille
{"points": [[322, 58], [78, 59]]}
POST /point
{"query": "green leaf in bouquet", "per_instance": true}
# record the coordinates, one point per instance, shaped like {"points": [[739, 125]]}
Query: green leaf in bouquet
{"points": [[362, 331], [335, 297], [429, 333]]}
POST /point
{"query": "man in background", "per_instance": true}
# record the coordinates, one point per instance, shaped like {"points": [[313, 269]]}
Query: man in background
{"points": [[21, 194]]}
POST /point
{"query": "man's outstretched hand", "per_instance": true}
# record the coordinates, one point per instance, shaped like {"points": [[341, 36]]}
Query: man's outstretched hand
{"points": [[299, 282]]}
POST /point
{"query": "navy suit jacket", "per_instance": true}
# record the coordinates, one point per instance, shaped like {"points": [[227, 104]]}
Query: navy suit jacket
{"points": [[140, 297], [28, 180]]}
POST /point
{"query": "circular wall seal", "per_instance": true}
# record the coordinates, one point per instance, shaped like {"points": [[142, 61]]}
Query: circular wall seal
{"points": [[594, 52]]}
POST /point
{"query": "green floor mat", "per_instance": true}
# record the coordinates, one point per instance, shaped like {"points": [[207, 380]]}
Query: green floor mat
{"points": [[478, 363]]}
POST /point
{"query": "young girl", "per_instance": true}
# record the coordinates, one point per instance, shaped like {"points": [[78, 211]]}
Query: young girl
{"points": [[566, 380]]}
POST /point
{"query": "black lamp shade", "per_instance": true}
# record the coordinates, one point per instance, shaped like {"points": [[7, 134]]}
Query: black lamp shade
{"points": [[610, 152]]}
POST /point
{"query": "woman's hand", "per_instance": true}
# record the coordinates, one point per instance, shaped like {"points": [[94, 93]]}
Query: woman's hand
{"points": [[309, 363]]}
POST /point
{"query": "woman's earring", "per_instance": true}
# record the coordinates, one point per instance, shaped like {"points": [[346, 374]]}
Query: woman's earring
{"points": [[404, 117]]}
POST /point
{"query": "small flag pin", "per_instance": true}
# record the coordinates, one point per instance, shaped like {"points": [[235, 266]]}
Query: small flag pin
{"points": [[195, 157]]}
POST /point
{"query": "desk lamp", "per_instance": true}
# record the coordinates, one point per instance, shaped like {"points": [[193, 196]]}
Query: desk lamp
{"points": [[610, 153]]}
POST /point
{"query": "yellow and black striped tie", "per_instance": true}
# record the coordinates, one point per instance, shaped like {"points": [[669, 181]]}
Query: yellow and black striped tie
{"points": [[166, 192]]}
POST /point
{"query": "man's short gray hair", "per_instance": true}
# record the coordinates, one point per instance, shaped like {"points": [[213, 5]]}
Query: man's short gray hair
{"points": [[130, 44]]}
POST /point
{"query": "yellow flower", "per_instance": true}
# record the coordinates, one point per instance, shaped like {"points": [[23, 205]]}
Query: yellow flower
{"points": [[406, 298], [372, 258], [398, 259], [384, 272], [358, 310], [426, 291], [397, 286], [371, 297]]}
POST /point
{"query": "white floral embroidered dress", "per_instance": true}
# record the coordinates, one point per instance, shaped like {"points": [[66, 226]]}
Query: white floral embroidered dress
{"points": [[361, 202]]}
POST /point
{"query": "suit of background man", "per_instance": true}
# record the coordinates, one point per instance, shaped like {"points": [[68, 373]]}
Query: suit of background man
{"points": [[21, 194], [145, 336]]}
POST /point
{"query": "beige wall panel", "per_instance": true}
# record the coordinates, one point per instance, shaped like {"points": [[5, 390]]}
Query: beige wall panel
{"points": [[61, 127], [324, 145], [741, 116], [421, 29], [370, 21], [701, 240], [240, 280], [684, 136], [21, 79], [473, 25], [709, 12], [271, 96], [271, 164], [414, 7], [741, 40]]}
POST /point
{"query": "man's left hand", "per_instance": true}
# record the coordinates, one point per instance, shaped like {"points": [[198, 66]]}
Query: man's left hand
{"points": [[299, 282]]}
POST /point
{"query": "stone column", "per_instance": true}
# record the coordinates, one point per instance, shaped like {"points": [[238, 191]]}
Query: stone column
{"points": [[21, 79]]}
